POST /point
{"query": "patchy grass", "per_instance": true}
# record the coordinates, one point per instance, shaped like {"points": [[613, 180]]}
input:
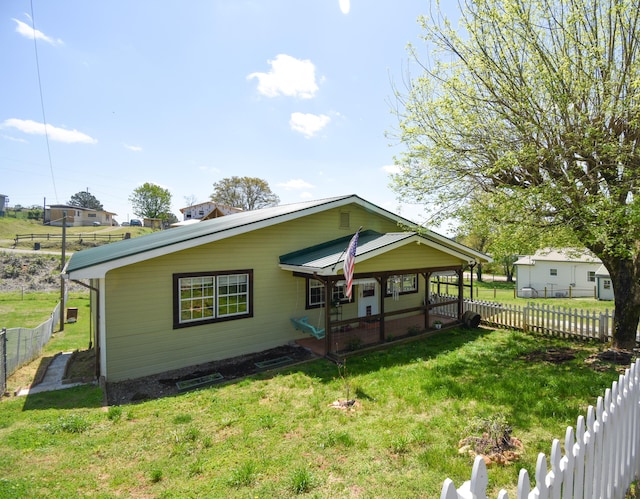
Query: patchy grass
{"points": [[275, 434]]}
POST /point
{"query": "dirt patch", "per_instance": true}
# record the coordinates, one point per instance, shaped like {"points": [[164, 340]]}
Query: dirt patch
{"points": [[81, 366], [165, 384], [611, 358], [553, 355]]}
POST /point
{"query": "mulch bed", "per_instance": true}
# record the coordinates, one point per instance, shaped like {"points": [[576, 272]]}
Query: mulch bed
{"points": [[165, 384]]}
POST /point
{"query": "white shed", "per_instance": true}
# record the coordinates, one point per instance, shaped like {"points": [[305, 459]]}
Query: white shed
{"points": [[604, 287], [557, 273]]}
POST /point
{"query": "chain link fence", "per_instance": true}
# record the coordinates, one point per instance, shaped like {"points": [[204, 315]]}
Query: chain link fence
{"points": [[21, 345]]}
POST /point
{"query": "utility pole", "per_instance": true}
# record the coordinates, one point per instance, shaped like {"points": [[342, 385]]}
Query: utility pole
{"points": [[62, 262]]}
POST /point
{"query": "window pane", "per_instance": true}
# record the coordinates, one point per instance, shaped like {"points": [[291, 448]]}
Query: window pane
{"points": [[316, 292], [233, 297], [195, 293]]}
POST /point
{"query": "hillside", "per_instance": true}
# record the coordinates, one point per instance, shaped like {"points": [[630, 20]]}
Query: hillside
{"points": [[30, 272]]}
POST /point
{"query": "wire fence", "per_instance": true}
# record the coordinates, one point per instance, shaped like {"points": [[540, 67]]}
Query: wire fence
{"points": [[21, 345]]}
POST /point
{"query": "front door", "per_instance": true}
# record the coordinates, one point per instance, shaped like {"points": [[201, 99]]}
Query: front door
{"points": [[368, 298]]}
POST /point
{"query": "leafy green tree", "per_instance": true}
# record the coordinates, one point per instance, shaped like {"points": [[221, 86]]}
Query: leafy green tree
{"points": [[85, 199], [536, 100], [248, 193], [151, 201]]}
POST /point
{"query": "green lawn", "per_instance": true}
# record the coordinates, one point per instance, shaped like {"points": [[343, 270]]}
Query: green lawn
{"points": [[275, 435]]}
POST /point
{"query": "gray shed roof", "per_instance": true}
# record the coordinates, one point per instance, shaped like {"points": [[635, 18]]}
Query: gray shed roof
{"points": [[95, 262]]}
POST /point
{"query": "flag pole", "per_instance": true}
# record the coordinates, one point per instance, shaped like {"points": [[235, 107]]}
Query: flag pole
{"points": [[344, 251]]}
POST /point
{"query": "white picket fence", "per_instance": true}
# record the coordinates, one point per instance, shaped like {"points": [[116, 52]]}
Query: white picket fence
{"points": [[601, 456], [540, 318]]}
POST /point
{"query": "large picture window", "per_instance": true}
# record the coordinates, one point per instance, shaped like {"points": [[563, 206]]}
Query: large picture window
{"points": [[206, 297]]}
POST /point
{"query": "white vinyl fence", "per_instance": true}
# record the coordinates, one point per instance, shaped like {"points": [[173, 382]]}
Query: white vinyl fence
{"points": [[601, 456], [546, 319]]}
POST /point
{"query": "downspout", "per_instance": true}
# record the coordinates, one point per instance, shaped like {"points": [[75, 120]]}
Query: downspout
{"points": [[97, 325]]}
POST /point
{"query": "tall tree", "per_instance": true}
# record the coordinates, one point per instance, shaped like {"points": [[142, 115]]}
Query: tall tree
{"points": [[538, 100], [248, 193], [151, 201], [84, 199]]}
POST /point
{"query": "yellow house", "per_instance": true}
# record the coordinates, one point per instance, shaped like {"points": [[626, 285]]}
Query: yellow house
{"points": [[76, 216], [255, 280]]}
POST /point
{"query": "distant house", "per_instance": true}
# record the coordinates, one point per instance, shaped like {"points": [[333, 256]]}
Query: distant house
{"points": [[206, 211], [153, 223], [554, 273], [4, 199], [76, 216], [604, 286], [254, 280]]}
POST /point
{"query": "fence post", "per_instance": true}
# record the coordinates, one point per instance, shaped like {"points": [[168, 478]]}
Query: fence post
{"points": [[3, 347]]}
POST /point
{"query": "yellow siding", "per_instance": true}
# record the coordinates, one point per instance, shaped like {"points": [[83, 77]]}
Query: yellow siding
{"points": [[140, 338], [410, 256]]}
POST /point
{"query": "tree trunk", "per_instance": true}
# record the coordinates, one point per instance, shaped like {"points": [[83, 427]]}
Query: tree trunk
{"points": [[479, 272], [625, 277]]}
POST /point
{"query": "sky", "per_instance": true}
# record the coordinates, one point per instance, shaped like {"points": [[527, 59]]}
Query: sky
{"points": [[185, 94]]}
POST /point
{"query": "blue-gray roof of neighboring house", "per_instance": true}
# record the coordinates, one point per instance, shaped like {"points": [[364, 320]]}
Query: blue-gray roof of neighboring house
{"points": [[122, 249], [329, 253]]}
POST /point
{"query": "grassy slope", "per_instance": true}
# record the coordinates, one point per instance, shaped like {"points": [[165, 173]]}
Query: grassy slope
{"points": [[269, 435], [9, 227]]}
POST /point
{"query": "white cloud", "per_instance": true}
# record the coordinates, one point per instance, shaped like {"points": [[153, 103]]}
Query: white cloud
{"points": [[391, 169], [28, 32], [295, 184], [288, 76], [54, 133], [306, 195], [133, 148], [13, 139], [308, 124], [345, 6], [210, 169]]}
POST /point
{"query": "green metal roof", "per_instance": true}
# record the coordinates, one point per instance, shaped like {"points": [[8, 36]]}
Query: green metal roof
{"points": [[95, 262], [180, 235], [330, 253]]}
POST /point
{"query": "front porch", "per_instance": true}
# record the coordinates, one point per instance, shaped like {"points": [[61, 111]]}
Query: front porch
{"points": [[360, 334]]}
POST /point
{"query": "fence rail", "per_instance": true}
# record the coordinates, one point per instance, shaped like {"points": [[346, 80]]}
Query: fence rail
{"points": [[601, 456], [90, 236], [540, 318]]}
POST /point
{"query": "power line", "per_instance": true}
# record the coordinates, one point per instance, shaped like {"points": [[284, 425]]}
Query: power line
{"points": [[44, 119]]}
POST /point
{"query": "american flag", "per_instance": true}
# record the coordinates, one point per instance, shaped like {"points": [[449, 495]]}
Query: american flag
{"points": [[349, 263]]}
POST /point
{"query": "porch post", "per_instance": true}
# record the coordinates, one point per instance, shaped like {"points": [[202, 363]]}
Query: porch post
{"points": [[383, 292], [460, 292], [427, 294], [328, 287]]}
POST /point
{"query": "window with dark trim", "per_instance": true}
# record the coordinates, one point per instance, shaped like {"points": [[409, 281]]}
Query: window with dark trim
{"points": [[591, 276], [553, 272], [402, 284], [206, 297], [315, 294]]}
